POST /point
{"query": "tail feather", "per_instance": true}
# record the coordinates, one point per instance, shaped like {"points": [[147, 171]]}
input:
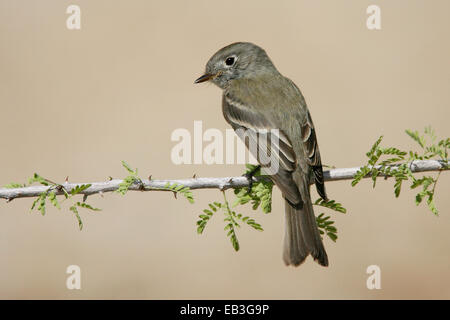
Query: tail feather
{"points": [[302, 236], [295, 250]]}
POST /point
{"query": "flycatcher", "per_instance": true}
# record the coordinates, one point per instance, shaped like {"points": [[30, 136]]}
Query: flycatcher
{"points": [[257, 98]]}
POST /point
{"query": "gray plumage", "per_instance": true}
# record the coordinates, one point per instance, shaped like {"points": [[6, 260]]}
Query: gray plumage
{"points": [[256, 97]]}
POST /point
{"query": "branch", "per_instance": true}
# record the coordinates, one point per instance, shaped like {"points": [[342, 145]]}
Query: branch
{"points": [[198, 183]]}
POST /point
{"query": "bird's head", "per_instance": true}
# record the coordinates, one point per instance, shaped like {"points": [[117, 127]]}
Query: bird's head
{"points": [[236, 61]]}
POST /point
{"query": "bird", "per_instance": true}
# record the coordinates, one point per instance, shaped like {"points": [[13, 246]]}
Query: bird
{"points": [[257, 98]]}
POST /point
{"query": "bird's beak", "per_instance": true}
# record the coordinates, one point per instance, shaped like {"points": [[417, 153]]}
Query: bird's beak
{"points": [[205, 77]]}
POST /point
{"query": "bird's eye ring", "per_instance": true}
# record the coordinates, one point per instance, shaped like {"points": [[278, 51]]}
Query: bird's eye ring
{"points": [[229, 61]]}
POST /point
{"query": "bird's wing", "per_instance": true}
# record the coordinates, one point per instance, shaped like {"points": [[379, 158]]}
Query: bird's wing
{"points": [[312, 153], [270, 142]]}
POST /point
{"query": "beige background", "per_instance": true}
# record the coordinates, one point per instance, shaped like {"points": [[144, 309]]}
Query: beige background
{"points": [[76, 103]]}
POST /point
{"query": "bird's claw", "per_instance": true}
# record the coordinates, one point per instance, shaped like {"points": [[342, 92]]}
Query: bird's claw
{"points": [[249, 176]]}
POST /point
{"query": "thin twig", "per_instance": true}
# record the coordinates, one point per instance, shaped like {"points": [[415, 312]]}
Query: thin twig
{"points": [[197, 183]]}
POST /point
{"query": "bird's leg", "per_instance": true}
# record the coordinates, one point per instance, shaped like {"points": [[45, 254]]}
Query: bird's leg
{"points": [[249, 176]]}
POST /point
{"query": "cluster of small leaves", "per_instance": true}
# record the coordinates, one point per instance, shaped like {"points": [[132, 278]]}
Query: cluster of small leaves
{"points": [[231, 224], [50, 194], [179, 188], [396, 165], [260, 193], [324, 223], [14, 185], [129, 180], [325, 226], [431, 148], [428, 185], [133, 178], [74, 209], [330, 204], [40, 202], [204, 218], [384, 167], [232, 220]]}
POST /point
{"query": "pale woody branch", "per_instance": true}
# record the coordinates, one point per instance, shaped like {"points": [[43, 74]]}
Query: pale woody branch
{"points": [[198, 183]]}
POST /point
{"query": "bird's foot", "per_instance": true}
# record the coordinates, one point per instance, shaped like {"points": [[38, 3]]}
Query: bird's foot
{"points": [[249, 176]]}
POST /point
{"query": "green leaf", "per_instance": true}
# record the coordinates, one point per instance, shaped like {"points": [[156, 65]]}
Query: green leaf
{"points": [[128, 168], [260, 196], [416, 137], [53, 200], [79, 188], [208, 212], [331, 204], [332, 236], [251, 168], [325, 226], [14, 185], [234, 241], [33, 205], [374, 148], [204, 218], [41, 203], [397, 187], [87, 206], [126, 184], [360, 174], [419, 198], [39, 179], [432, 206], [77, 215]]}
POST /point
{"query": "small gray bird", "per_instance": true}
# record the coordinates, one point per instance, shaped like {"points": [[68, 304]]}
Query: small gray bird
{"points": [[257, 97]]}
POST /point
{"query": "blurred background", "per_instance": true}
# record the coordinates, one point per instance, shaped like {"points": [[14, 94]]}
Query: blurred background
{"points": [[77, 102]]}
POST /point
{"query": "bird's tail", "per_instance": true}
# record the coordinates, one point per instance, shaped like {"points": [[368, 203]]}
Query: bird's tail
{"points": [[302, 236]]}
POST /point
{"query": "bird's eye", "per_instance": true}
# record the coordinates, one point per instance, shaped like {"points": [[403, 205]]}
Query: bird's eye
{"points": [[229, 61]]}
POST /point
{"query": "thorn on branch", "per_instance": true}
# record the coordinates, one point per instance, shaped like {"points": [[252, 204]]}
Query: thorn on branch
{"points": [[150, 177], [194, 176], [85, 196], [175, 194]]}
